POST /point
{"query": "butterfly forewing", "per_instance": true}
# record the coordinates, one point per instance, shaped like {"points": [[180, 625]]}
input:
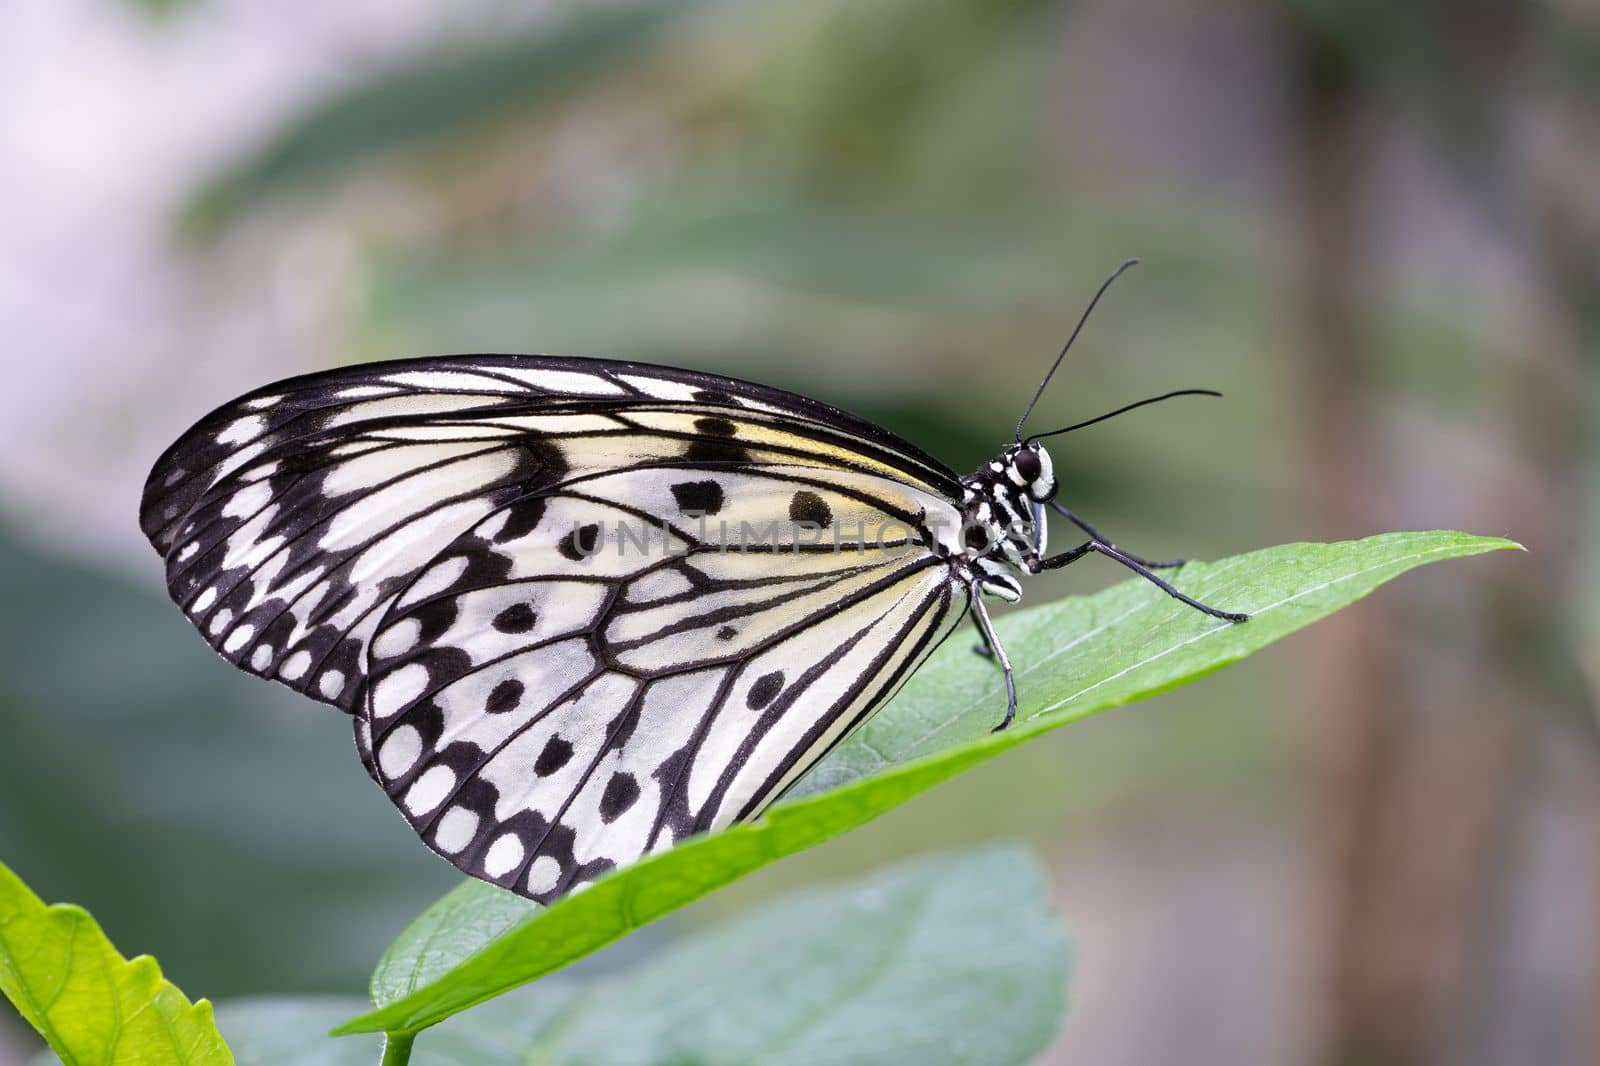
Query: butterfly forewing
{"points": [[289, 517]]}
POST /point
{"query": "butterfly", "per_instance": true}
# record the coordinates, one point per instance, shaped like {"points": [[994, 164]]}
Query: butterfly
{"points": [[581, 609]]}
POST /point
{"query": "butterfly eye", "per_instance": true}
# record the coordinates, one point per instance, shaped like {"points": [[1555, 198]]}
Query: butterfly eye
{"points": [[1028, 465]]}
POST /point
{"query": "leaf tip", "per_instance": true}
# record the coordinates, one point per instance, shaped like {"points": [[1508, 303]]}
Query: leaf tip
{"points": [[1480, 545], [1499, 544]]}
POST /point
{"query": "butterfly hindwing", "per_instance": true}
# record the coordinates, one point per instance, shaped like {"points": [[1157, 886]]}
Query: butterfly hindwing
{"points": [[545, 707]]}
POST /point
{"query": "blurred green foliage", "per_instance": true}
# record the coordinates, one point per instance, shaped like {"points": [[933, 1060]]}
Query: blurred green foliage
{"points": [[443, 95], [950, 959]]}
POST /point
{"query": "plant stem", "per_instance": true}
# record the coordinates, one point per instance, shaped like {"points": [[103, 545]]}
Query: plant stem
{"points": [[397, 1048]]}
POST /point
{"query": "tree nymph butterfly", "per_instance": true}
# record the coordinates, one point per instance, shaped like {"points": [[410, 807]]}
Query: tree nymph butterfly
{"points": [[581, 609]]}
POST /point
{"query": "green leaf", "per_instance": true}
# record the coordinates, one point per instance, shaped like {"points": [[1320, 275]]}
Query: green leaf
{"points": [[91, 1004], [947, 959], [944, 960], [1074, 658], [883, 259], [470, 915]]}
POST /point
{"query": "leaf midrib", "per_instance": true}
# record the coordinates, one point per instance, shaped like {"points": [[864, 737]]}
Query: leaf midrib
{"points": [[1223, 628]]}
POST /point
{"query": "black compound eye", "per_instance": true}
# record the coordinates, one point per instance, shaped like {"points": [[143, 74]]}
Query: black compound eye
{"points": [[1028, 465], [975, 537]]}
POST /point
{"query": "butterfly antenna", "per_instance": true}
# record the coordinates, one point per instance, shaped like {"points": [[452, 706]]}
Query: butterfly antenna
{"points": [[1104, 285], [1123, 410]]}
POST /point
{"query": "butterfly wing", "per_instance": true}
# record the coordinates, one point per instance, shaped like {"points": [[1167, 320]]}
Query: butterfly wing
{"points": [[412, 542], [289, 518], [549, 703]]}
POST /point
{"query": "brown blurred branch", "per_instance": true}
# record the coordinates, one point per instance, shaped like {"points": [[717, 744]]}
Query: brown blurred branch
{"points": [[1413, 783]]}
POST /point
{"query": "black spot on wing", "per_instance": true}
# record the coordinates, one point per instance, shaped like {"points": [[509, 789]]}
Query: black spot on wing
{"points": [[716, 427], [698, 497], [518, 618], [522, 518], [808, 507], [621, 793], [434, 619], [674, 814], [716, 450], [765, 690], [581, 543], [504, 697], [556, 754]]}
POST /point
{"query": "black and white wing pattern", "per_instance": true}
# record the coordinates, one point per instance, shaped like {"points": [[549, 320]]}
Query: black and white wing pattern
{"points": [[519, 574], [541, 715]]}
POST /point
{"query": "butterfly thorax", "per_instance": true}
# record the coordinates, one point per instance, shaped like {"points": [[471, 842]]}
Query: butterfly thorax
{"points": [[1002, 506]]}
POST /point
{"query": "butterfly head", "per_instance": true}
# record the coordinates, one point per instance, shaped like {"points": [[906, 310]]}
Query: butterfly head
{"points": [[1027, 466], [1001, 524]]}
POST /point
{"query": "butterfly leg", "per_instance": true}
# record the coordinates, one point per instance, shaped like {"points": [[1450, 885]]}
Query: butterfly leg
{"points": [[1087, 528], [1055, 562], [992, 642], [982, 646]]}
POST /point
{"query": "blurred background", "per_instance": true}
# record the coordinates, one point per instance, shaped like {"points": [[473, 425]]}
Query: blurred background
{"points": [[1374, 226]]}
